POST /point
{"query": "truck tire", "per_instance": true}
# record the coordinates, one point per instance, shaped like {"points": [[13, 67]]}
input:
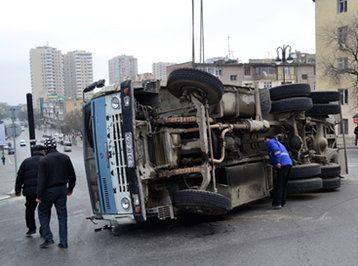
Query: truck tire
{"points": [[304, 171], [289, 90], [325, 96], [190, 80], [331, 183], [295, 104], [201, 202], [302, 186], [265, 101], [323, 109], [329, 171]]}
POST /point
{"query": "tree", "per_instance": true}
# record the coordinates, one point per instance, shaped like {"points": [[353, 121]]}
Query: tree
{"points": [[340, 63], [22, 115], [72, 123], [4, 111]]}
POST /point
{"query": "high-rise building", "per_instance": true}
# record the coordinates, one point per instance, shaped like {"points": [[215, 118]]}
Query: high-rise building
{"points": [[78, 73], [336, 31], [160, 70], [46, 64], [121, 68]]}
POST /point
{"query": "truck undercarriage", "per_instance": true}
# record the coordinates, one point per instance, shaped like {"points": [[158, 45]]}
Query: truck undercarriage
{"points": [[197, 145]]}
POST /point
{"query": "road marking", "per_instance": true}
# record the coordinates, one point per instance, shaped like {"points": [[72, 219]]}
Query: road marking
{"points": [[4, 197]]}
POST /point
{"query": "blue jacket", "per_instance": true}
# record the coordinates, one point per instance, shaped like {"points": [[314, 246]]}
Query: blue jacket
{"points": [[278, 152]]}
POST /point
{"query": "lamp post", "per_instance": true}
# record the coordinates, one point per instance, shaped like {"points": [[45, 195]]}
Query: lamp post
{"points": [[283, 58]]}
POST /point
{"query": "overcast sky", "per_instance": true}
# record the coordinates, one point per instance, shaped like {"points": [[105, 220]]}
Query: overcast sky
{"points": [[152, 31]]}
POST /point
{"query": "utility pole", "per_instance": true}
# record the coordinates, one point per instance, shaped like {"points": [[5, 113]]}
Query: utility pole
{"points": [[13, 127]]}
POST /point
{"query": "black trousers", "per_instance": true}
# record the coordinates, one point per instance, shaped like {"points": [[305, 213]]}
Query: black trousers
{"points": [[280, 185], [30, 205], [356, 139]]}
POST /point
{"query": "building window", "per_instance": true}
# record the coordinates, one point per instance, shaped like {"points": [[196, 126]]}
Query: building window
{"points": [[342, 6], [267, 84], [247, 71], [304, 76], [342, 36], [287, 70], [233, 77], [218, 72], [344, 96], [343, 127], [343, 63]]}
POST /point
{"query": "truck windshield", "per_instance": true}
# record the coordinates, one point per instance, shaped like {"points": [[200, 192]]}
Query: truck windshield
{"points": [[90, 164]]}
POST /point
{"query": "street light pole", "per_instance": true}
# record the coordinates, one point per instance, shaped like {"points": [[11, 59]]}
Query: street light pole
{"points": [[283, 58]]}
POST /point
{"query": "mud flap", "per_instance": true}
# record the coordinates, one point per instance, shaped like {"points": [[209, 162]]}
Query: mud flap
{"points": [[342, 160]]}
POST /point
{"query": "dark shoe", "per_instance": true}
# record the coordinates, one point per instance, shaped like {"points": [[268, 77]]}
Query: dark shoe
{"points": [[276, 207], [47, 244], [62, 246], [30, 232]]}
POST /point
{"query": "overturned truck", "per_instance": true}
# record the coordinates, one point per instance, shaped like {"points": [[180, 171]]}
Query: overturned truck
{"points": [[197, 145]]}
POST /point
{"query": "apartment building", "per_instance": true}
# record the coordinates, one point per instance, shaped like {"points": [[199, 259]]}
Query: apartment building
{"points": [[78, 73], [262, 73], [46, 67], [334, 25], [121, 68], [159, 70]]}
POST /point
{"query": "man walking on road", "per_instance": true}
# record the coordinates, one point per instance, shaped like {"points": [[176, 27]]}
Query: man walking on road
{"points": [[27, 182], [55, 172], [282, 163]]}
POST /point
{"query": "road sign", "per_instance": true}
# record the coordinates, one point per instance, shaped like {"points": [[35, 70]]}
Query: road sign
{"points": [[11, 129]]}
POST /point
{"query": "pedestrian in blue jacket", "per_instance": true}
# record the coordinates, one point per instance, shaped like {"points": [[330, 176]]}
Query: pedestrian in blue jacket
{"points": [[282, 163]]}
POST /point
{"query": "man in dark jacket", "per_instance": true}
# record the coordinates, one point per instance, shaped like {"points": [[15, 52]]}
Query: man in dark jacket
{"points": [[356, 133], [55, 172], [27, 182], [282, 163]]}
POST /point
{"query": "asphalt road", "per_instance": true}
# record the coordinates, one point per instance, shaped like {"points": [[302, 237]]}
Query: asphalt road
{"points": [[314, 229]]}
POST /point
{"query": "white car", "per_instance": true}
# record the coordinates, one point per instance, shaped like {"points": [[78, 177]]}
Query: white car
{"points": [[22, 143]]}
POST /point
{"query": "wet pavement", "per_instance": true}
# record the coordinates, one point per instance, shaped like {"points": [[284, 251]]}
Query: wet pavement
{"points": [[314, 229]]}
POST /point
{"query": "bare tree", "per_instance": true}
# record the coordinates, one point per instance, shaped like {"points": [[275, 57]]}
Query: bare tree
{"points": [[72, 123], [341, 63]]}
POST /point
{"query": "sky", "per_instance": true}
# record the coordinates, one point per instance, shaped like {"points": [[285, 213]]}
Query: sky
{"points": [[151, 31]]}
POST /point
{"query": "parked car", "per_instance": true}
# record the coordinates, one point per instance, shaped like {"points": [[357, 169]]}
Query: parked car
{"points": [[67, 146], [22, 143], [11, 151]]}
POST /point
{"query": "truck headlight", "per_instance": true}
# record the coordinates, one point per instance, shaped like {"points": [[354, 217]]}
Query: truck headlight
{"points": [[127, 101], [125, 203], [129, 149], [115, 102]]}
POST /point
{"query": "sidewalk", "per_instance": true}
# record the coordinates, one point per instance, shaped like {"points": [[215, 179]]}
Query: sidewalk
{"points": [[8, 177]]}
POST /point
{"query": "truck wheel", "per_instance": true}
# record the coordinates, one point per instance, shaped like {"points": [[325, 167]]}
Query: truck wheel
{"points": [[187, 80], [331, 170], [302, 186], [331, 183], [289, 90], [201, 202], [325, 96], [304, 171], [322, 109], [295, 104]]}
